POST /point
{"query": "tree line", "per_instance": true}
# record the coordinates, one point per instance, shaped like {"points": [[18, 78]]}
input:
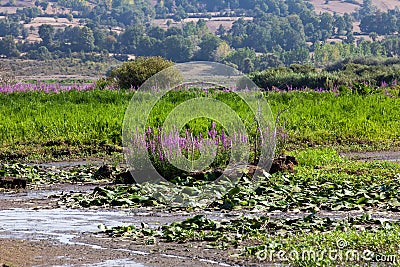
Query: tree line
{"points": [[279, 33]]}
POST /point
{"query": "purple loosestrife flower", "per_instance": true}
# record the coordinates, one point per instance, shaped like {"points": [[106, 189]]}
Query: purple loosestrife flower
{"points": [[217, 140], [223, 138]]}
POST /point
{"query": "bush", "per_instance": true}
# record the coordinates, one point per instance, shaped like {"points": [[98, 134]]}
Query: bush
{"points": [[135, 73]]}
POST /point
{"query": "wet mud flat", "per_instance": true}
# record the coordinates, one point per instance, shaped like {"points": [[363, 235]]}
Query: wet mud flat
{"points": [[50, 236], [53, 236], [36, 231]]}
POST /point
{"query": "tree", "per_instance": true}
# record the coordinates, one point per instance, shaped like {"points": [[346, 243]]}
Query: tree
{"points": [[44, 5], [173, 31], [340, 25], [149, 46], [221, 30], [99, 38], [266, 61], [248, 65], [180, 14], [209, 43], [156, 32], [12, 2], [4, 27], [189, 29], [349, 22], [326, 25], [8, 47], [221, 52], [85, 39], [239, 56], [46, 32], [70, 17], [373, 36], [41, 54], [130, 38], [350, 38], [178, 49], [135, 73], [25, 33], [367, 8]]}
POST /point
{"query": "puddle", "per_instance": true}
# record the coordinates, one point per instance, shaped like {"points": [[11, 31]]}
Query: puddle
{"points": [[54, 222], [109, 263], [65, 226], [64, 164], [116, 263], [45, 191]]}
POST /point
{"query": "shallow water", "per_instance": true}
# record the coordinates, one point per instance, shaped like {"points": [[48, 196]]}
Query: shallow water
{"points": [[65, 226], [55, 222], [110, 263]]}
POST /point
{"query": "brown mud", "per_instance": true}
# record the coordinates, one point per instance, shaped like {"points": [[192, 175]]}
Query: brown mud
{"points": [[36, 231]]}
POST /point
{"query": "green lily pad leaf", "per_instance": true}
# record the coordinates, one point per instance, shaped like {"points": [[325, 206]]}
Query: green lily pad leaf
{"points": [[362, 200], [394, 202]]}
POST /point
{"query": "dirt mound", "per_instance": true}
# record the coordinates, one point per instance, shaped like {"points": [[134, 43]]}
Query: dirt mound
{"points": [[104, 172], [283, 163], [124, 178]]}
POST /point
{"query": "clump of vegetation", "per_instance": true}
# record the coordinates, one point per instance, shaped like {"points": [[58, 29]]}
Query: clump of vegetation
{"points": [[40, 175], [362, 76], [133, 74]]}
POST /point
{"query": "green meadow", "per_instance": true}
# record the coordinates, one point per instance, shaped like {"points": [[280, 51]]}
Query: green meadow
{"points": [[36, 123]]}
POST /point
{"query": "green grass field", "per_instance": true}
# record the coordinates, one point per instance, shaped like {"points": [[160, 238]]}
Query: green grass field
{"points": [[37, 122]]}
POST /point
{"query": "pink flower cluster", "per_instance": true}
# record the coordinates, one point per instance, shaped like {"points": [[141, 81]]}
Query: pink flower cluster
{"points": [[45, 87], [162, 145]]}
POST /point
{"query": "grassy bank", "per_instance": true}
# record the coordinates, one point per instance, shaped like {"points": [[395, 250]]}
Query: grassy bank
{"points": [[38, 122]]}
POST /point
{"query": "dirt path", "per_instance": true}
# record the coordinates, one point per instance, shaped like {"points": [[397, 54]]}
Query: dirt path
{"points": [[393, 156]]}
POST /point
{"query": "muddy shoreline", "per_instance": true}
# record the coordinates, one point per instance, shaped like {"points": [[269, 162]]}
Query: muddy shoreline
{"points": [[32, 233], [35, 230]]}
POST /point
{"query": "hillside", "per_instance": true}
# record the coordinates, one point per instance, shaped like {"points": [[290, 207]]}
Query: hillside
{"points": [[349, 6], [249, 35]]}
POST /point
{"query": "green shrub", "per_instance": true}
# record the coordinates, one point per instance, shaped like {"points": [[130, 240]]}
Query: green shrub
{"points": [[102, 83], [135, 73]]}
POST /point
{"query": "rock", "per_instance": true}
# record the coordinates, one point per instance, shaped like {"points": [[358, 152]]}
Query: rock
{"points": [[283, 163], [104, 172], [12, 182]]}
